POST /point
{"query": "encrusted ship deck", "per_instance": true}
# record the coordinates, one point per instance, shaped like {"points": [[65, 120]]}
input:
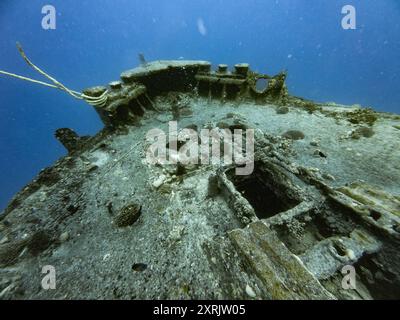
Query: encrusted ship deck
{"points": [[324, 194]]}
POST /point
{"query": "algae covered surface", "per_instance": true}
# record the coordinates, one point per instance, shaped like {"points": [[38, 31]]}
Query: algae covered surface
{"points": [[324, 194]]}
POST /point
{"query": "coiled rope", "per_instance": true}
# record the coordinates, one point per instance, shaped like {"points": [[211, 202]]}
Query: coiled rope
{"points": [[99, 101]]}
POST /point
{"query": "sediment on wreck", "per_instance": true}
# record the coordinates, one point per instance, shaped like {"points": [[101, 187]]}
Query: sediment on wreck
{"points": [[285, 231]]}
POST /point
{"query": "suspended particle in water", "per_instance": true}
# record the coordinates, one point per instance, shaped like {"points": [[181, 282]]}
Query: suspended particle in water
{"points": [[201, 27]]}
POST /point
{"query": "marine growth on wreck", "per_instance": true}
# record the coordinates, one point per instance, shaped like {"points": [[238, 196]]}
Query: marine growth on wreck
{"points": [[319, 203]]}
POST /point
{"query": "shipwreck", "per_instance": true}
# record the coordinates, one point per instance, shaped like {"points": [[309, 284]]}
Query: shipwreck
{"points": [[318, 217]]}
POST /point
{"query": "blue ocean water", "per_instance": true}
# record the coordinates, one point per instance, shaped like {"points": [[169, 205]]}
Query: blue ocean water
{"points": [[95, 40]]}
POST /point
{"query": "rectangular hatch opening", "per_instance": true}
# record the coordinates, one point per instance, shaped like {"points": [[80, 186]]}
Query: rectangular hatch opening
{"points": [[267, 197]]}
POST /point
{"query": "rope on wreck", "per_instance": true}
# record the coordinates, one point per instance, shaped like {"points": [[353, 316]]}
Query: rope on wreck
{"points": [[99, 101]]}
